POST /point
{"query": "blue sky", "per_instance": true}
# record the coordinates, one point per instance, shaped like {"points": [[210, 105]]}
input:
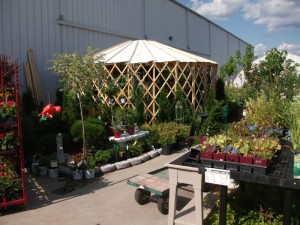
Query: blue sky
{"points": [[264, 24]]}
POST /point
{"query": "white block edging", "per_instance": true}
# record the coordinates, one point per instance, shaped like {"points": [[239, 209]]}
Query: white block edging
{"points": [[107, 168], [159, 150], [145, 157], [122, 165], [135, 161], [153, 153]]}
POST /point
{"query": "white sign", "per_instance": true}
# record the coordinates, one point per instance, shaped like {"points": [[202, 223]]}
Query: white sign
{"points": [[217, 176]]}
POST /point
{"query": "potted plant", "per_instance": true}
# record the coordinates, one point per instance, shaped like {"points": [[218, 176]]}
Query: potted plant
{"points": [[7, 111], [265, 149], [218, 141], [77, 165], [44, 161], [117, 128], [8, 141], [118, 122], [167, 137], [89, 167], [10, 182], [183, 132]]}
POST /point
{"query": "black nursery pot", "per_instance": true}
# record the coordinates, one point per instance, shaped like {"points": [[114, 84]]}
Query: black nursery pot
{"points": [[166, 150]]}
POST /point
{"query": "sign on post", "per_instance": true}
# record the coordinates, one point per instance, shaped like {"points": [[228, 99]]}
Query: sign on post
{"points": [[217, 176]]}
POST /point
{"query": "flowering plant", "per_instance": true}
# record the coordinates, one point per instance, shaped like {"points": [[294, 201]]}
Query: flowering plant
{"points": [[8, 140], [10, 182], [8, 108], [77, 162]]}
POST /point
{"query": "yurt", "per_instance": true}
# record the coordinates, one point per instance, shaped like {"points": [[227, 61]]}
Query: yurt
{"points": [[153, 66]]}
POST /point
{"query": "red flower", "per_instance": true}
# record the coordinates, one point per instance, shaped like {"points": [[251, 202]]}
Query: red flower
{"points": [[1, 173], [1, 104], [2, 135], [10, 103]]}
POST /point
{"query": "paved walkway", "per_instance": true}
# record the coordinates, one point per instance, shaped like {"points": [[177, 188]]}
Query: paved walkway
{"points": [[108, 200]]}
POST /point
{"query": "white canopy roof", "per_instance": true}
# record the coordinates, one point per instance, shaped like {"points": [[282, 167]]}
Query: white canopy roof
{"points": [[240, 78], [142, 51]]}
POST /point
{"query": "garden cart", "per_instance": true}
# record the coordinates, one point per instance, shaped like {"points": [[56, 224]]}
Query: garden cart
{"points": [[155, 182]]}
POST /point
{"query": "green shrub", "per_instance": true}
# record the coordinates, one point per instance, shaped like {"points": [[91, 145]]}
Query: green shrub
{"points": [[264, 206], [103, 156], [214, 122], [90, 163], [167, 133], [165, 107], [95, 132], [152, 138], [183, 131], [135, 148]]}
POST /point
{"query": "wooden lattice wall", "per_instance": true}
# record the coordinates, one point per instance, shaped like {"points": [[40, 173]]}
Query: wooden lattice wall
{"points": [[194, 79]]}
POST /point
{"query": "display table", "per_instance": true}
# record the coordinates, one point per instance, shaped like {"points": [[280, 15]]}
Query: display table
{"points": [[126, 137], [280, 174]]}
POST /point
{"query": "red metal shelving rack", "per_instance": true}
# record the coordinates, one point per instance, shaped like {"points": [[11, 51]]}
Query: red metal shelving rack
{"points": [[18, 153]]}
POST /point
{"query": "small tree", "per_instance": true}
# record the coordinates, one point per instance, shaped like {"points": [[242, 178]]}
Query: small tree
{"points": [[78, 74], [164, 112], [137, 98]]}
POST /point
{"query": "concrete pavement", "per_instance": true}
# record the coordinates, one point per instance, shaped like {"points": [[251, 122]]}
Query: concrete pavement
{"points": [[107, 200]]}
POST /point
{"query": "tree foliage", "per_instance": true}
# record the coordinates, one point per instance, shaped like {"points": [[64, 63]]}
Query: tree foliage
{"points": [[77, 73], [164, 104]]}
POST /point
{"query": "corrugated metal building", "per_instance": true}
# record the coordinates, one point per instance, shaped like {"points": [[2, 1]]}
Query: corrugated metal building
{"points": [[56, 26]]}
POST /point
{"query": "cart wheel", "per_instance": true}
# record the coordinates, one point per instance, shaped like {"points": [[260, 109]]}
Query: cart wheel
{"points": [[141, 196], [163, 205]]}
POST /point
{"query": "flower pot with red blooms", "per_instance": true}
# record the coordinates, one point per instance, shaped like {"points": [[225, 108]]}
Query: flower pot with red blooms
{"points": [[246, 159], [206, 155], [203, 139], [246, 163], [117, 133], [130, 130], [260, 161], [7, 111], [233, 157], [117, 129]]}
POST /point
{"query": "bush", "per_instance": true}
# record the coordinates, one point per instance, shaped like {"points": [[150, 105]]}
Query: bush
{"points": [[214, 122], [90, 163], [104, 156], [95, 132], [135, 148], [183, 131], [264, 206], [152, 138]]}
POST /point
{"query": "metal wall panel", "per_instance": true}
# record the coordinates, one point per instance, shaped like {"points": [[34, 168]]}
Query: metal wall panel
{"points": [[233, 45], [198, 34], [218, 44], [56, 26], [7, 27], [165, 19]]}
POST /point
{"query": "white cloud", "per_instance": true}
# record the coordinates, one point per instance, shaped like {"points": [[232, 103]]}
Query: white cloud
{"points": [[274, 14], [217, 9], [290, 48], [260, 50]]}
